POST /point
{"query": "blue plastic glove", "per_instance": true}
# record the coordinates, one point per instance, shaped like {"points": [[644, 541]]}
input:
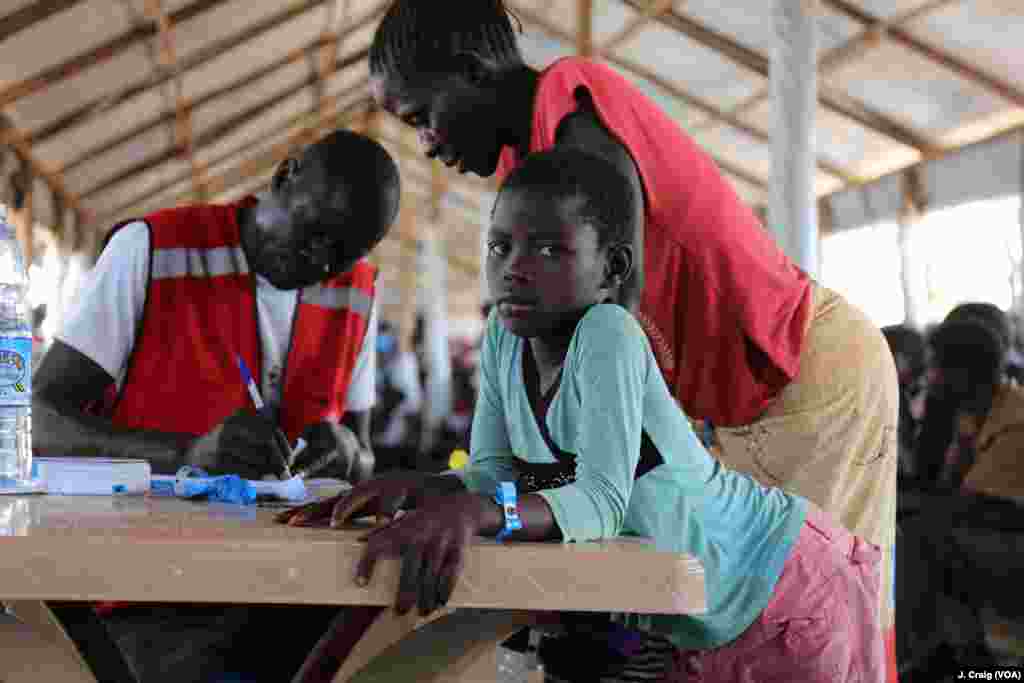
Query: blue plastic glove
{"points": [[227, 488]]}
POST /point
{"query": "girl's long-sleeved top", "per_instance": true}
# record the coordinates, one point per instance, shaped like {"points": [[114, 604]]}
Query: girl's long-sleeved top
{"points": [[613, 412]]}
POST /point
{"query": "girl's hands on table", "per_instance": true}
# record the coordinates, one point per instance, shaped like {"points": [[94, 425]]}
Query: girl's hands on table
{"points": [[431, 542], [441, 519]]}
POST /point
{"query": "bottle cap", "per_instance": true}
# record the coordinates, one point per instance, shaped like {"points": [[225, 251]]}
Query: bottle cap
{"points": [[458, 459]]}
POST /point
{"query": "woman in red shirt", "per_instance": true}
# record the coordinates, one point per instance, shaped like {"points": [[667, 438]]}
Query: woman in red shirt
{"points": [[800, 386]]}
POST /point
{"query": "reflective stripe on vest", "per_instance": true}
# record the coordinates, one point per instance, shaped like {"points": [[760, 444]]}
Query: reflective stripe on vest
{"points": [[221, 261], [338, 298], [215, 262]]}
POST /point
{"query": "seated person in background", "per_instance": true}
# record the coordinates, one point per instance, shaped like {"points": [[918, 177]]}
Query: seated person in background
{"points": [[959, 553], [396, 422], [574, 410], [987, 451], [1000, 323], [908, 351], [146, 367], [969, 390]]}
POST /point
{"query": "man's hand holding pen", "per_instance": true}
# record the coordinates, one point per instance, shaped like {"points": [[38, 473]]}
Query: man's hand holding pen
{"points": [[247, 443], [250, 444]]}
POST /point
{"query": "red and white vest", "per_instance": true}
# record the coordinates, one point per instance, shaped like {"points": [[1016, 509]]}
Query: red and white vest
{"points": [[200, 312]]}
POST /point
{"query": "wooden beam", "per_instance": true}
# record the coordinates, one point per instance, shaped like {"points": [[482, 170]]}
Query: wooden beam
{"points": [[198, 59], [839, 103], [224, 91], [327, 58], [23, 150], [854, 48], [901, 36], [268, 159], [1009, 130], [585, 27], [140, 201], [30, 15], [835, 58], [717, 115], [224, 127], [455, 261], [655, 8], [103, 53], [740, 173]]}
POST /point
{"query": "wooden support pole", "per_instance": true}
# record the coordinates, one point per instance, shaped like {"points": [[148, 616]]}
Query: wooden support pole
{"points": [[327, 56], [409, 279], [168, 62], [585, 27], [826, 217], [438, 189]]}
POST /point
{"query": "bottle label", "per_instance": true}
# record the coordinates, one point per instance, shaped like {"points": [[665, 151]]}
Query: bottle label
{"points": [[15, 371]]}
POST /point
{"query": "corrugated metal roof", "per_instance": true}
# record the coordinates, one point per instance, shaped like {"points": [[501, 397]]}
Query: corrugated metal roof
{"points": [[99, 98]]}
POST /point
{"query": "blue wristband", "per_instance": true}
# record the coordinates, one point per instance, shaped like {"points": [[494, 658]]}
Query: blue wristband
{"points": [[506, 498]]}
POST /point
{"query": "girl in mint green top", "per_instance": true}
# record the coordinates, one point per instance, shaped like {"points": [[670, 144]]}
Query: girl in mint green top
{"points": [[639, 468], [573, 409]]}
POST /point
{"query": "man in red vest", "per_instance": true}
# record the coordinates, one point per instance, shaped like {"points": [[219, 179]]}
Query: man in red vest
{"points": [[146, 365]]}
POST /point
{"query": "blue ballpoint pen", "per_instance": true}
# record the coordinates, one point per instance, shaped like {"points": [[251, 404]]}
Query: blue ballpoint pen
{"points": [[257, 402]]}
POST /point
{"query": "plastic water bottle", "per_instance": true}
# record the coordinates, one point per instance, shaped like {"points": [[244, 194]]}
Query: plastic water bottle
{"points": [[15, 364]]}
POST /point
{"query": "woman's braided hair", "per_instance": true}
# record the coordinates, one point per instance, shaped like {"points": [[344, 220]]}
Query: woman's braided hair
{"points": [[417, 36]]}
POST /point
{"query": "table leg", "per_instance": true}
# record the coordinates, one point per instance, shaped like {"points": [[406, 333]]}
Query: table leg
{"points": [[37, 648], [450, 648]]}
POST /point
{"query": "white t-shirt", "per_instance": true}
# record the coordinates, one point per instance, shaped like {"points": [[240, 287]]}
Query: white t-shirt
{"points": [[102, 320]]}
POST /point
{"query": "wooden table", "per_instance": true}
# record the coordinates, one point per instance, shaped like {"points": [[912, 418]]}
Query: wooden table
{"points": [[169, 550]]}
